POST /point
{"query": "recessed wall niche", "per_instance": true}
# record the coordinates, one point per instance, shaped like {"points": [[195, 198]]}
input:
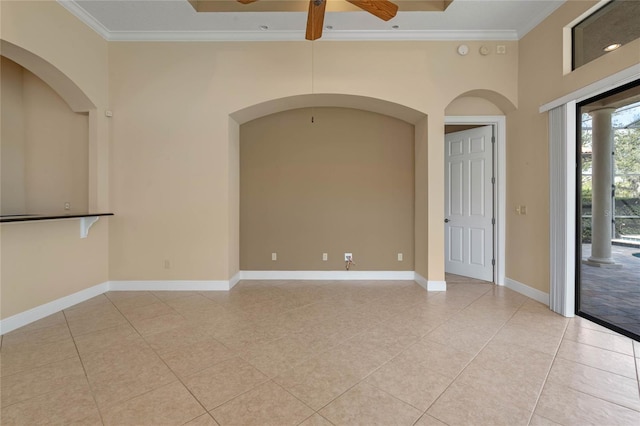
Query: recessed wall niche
{"points": [[327, 180], [44, 147]]}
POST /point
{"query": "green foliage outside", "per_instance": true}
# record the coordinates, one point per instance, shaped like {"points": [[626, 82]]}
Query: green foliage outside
{"points": [[626, 180]]}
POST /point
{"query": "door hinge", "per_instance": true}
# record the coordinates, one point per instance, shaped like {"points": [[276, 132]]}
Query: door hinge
{"points": [[493, 180], [493, 139], [493, 220], [493, 262]]}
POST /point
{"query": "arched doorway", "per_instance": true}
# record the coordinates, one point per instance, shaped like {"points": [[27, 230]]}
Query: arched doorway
{"points": [[474, 110]]}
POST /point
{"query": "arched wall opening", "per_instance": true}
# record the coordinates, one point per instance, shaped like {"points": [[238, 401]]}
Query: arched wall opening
{"points": [[78, 102], [67, 89], [479, 102], [417, 119], [46, 264], [478, 108]]}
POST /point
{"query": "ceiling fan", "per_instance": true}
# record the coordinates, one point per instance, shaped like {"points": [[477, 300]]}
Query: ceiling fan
{"points": [[383, 9]]}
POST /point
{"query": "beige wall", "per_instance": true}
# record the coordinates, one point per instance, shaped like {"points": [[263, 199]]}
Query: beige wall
{"points": [[541, 81], [44, 147], [472, 105], [172, 164], [421, 201], [12, 143], [344, 183], [41, 262], [44, 261], [173, 160], [49, 31], [57, 151]]}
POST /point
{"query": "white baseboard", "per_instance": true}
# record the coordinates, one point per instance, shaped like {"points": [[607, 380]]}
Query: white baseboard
{"points": [[531, 292], [42, 311], [327, 275], [437, 286], [168, 285], [430, 285], [234, 280]]}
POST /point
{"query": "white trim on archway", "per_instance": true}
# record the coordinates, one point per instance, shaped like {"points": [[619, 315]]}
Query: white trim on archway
{"points": [[376, 105], [66, 88]]}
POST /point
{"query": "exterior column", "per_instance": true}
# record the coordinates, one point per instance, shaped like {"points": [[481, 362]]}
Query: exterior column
{"points": [[602, 178]]}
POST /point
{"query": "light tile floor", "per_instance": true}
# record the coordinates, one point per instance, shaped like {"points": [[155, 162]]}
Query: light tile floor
{"points": [[318, 353]]}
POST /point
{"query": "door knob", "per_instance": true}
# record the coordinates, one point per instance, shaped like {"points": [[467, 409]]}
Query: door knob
{"points": [[446, 221]]}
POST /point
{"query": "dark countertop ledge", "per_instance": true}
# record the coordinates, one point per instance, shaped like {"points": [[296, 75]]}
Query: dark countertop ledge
{"points": [[36, 217]]}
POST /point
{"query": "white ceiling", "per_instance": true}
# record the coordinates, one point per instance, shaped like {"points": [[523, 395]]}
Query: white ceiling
{"points": [[177, 20]]}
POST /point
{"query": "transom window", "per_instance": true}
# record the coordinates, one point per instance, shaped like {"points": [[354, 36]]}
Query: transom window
{"points": [[605, 30]]}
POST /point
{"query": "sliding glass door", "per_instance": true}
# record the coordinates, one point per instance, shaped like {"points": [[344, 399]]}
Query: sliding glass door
{"points": [[608, 209]]}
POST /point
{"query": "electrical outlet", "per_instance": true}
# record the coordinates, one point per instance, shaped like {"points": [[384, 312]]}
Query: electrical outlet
{"points": [[348, 256], [400, 257], [167, 264], [274, 256], [325, 257]]}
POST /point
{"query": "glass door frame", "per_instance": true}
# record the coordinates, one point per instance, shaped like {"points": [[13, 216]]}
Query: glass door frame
{"points": [[578, 207]]}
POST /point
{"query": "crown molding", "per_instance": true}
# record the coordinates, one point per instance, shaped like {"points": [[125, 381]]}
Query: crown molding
{"points": [[170, 36], [86, 18], [230, 36], [421, 35], [270, 35]]}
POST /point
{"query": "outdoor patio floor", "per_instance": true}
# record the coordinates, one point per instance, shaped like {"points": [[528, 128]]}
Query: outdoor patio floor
{"points": [[613, 294]]}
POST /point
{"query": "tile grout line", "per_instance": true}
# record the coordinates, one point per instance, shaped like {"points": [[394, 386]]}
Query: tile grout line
{"points": [[546, 377], [236, 355], [80, 356], [598, 368], [474, 357], [316, 413], [36, 367], [304, 403], [600, 347], [470, 361], [582, 391], [470, 308], [86, 376], [178, 379], [617, 335], [372, 372], [145, 341], [390, 360]]}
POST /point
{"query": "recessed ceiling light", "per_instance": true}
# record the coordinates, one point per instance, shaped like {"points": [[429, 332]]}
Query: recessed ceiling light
{"points": [[612, 47], [264, 27], [395, 27], [328, 27]]}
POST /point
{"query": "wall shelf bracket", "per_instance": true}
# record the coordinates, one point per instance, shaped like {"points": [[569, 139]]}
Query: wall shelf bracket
{"points": [[85, 225]]}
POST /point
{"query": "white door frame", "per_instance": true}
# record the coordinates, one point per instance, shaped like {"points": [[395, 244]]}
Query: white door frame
{"points": [[499, 123]]}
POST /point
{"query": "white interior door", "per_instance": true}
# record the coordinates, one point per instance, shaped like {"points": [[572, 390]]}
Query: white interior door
{"points": [[469, 203]]}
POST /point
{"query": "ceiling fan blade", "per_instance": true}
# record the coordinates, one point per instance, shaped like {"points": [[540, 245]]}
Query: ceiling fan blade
{"points": [[383, 9], [315, 19]]}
